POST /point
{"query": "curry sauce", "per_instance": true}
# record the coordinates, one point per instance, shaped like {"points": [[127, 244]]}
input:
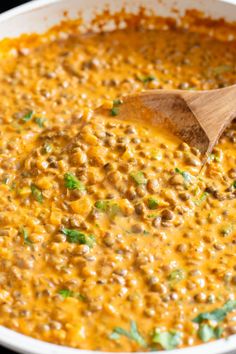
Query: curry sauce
{"points": [[110, 238]]}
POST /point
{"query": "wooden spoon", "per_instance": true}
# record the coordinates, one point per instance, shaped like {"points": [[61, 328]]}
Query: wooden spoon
{"points": [[197, 117]]}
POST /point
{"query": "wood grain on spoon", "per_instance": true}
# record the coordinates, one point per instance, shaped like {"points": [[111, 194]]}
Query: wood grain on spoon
{"points": [[197, 117]]}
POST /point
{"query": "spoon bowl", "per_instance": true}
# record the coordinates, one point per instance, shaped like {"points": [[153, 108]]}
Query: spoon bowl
{"points": [[197, 117]]}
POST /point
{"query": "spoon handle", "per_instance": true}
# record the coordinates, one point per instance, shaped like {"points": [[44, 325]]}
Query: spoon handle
{"points": [[213, 109]]}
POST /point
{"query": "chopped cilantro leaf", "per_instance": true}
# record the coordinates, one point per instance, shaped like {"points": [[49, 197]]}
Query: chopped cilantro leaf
{"points": [[217, 315], [150, 216], [114, 336], [117, 102], [207, 332], [72, 183], [65, 293], [40, 121], [25, 235], [115, 108], [107, 206], [167, 340], [37, 193], [75, 236], [102, 205], [152, 203], [68, 293], [176, 276], [28, 116], [115, 111], [202, 198], [187, 176], [132, 334], [139, 177]]}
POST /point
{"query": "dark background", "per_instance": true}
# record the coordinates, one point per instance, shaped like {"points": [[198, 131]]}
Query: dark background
{"points": [[8, 4], [4, 6]]}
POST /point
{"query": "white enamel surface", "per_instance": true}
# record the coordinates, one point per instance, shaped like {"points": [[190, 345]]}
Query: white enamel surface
{"points": [[39, 15]]}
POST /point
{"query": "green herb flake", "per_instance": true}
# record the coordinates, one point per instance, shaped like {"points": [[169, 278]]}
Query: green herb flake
{"points": [[230, 306], [107, 206], [217, 315], [28, 116], [72, 183], [152, 203], [150, 216], [75, 236], [167, 340], [139, 177], [37, 193], [146, 79], [25, 235], [132, 334], [117, 102], [234, 184], [114, 336], [114, 209], [115, 109], [202, 198], [102, 205], [176, 275], [207, 332], [40, 121], [187, 176], [65, 293], [196, 190]]}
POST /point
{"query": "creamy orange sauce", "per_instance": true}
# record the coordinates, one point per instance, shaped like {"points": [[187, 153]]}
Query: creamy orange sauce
{"points": [[110, 239]]}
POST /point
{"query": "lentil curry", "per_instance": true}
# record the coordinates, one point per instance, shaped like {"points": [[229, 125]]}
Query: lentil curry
{"points": [[110, 239]]}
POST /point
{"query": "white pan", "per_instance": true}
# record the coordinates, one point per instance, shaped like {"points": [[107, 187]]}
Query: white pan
{"points": [[38, 16]]}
